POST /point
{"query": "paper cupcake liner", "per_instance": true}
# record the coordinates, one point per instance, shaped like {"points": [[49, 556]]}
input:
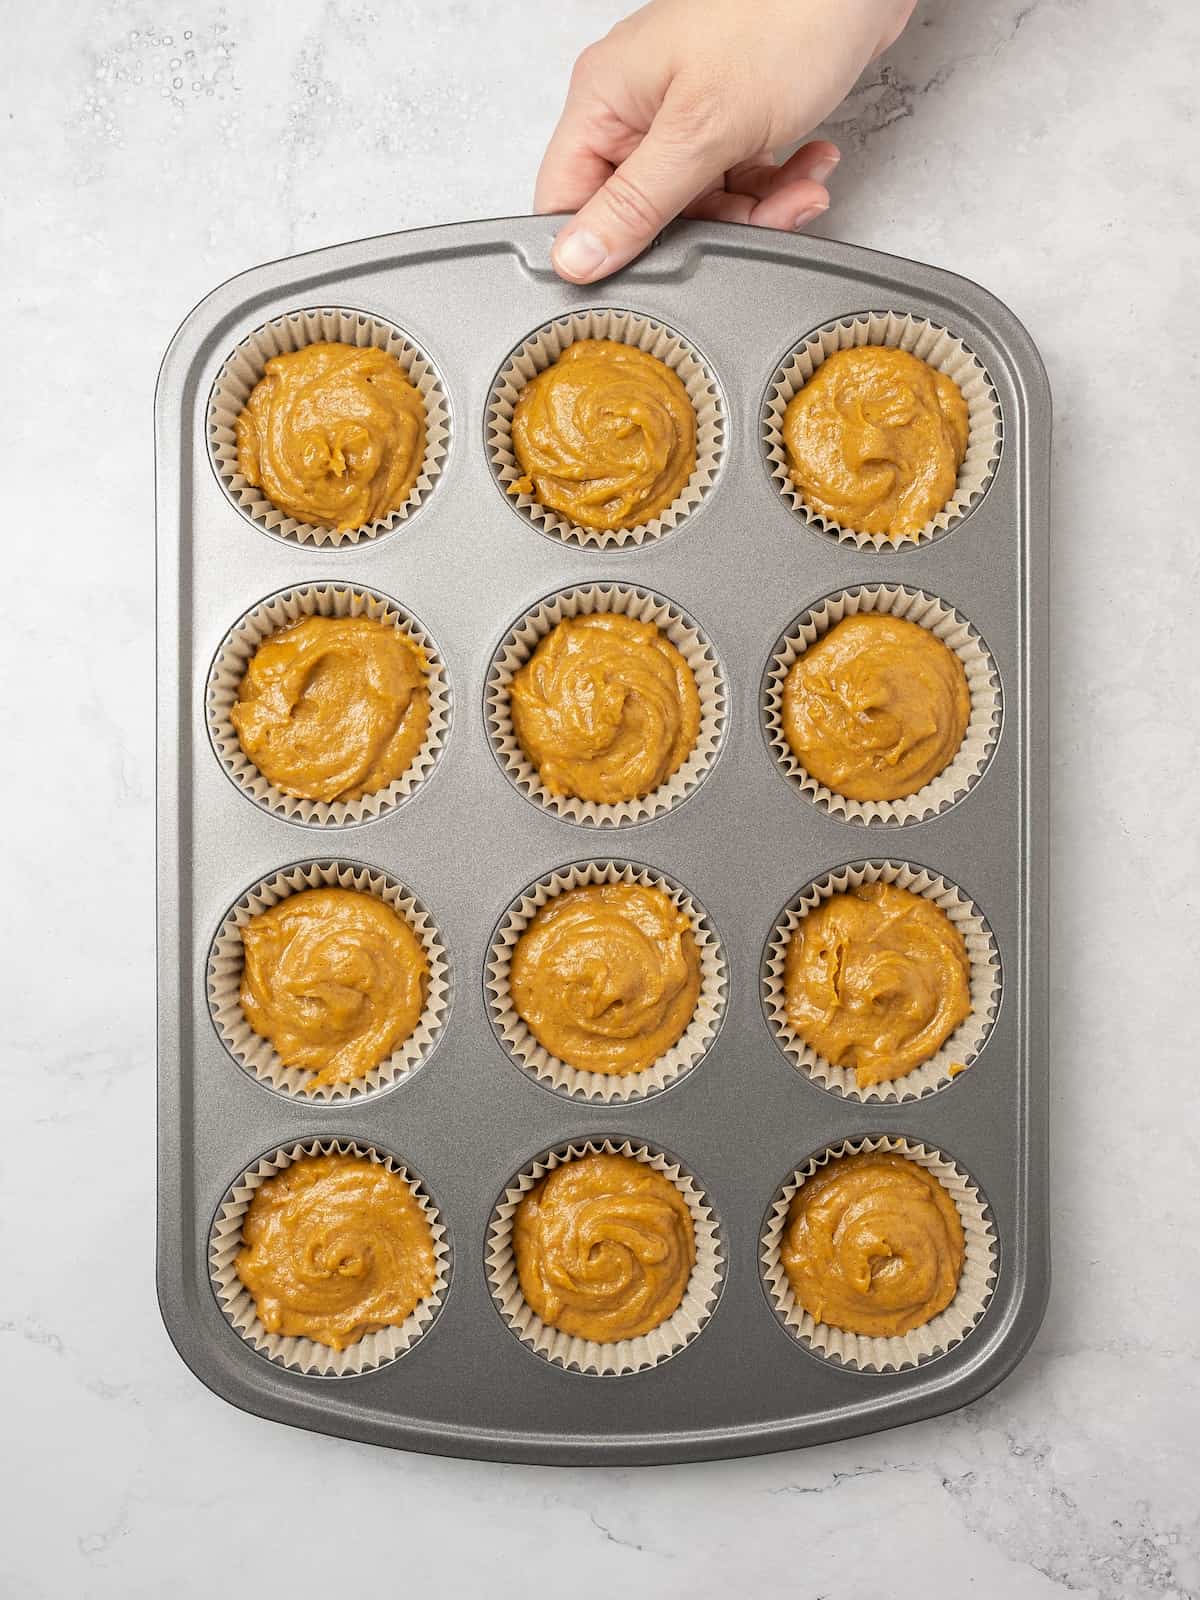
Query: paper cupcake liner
{"points": [[306, 1355], [624, 1355], [524, 637], [256, 1054], [967, 1040], [520, 1042], [946, 624], [541, 350], [243, 369], [949, 1328], [229, 667], [930, 343]]}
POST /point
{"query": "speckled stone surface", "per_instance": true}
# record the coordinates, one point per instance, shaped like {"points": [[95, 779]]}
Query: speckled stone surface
{"points": [[1047, 149]]}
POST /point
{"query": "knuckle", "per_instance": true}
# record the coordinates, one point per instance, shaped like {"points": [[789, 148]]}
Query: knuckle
{"points": [[587, 66], [631, 206]]}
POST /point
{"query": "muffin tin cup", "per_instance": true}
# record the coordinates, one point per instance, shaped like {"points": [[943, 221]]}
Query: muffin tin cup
{"points": [[932, 344], [949, 1328], [279, 611], [373, 1350], [245, 367], [983, 680], [603, 1087], [256, 1054], [645, 606], [541, 350], [963, 1045], [587, 1355]]}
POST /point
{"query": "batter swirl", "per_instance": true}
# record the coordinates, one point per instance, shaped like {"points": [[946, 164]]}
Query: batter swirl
{"points": [[335, 980], [606, 436], [606, 708], [604, 1247], [875, 439], [607, 976], [873, 1244], [877, 708], [335, 1247], [333, 435], [333, 708], [876, 979]]}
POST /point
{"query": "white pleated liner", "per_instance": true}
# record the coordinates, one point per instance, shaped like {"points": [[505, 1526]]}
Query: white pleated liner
{"points": [[247, 364], [601, 1086], [541, 350], [258, 1055], [983, 680], [950, 1327], [269, 617], [967, 1040], [930, 343], [373, 1350], [643, 605], [623, 1355]]}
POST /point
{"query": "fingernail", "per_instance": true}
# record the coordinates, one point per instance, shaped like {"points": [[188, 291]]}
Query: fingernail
{"points": [[579, 255], [822, 169], [809, 215]]}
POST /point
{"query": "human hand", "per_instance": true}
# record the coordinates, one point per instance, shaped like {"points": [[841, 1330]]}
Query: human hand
{"points": [[678, 111]]}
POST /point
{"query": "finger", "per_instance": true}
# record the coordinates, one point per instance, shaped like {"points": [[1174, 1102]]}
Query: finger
{"points": [[793, 205], [815, 160], [678, 158]]}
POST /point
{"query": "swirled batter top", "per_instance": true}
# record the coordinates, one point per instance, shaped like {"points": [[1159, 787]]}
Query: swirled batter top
{"points": [[875, 439], [333, 435], [876, 979], [604, 1247], [333, 708], [873, 1244], [335, 979], [607, 976], [877, 708], [606, 436], [335, 1247], [606, 708]]}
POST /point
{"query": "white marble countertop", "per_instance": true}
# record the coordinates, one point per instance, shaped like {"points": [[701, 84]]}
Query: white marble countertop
{"points": [[1048, 149]]}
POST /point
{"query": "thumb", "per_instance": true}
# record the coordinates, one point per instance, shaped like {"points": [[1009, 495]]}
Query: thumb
{"points": [[681, 154]]}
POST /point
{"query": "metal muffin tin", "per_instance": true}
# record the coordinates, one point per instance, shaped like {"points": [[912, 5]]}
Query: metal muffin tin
{"points": [[467, 842]]}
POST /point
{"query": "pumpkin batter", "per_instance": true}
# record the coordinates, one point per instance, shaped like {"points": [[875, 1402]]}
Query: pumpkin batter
{"points": [[606, 436], [334, 979], [606, 708], [335, 1247], [873, 1244], [875, 439], [607, 976], [333, 708], [876, 979], [877, 708], [604, 1247], [333, 435]]}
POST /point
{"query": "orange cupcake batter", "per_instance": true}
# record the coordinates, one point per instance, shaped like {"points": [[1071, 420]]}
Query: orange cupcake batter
{"points": [[335, 979], [877, 708], [606, 436], [873, 1244], [606, 708], [875, 439], [333, 708], [604, 1247], [335, 1247], [876, 979], [607, 976], [333, 435]]}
